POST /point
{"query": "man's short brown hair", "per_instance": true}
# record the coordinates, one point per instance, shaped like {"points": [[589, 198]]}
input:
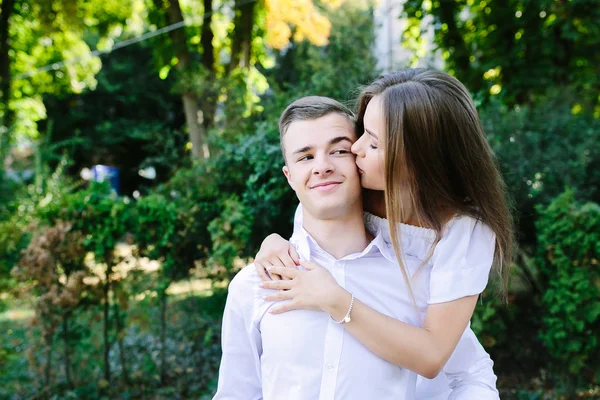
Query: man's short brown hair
{"points": [[310, 108]]}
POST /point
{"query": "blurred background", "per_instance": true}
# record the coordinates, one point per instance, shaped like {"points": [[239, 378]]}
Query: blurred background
{"points": [[140, 169]]}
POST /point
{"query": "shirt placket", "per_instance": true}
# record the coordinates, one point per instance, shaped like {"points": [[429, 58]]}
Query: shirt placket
{"points": [[333, 343]]}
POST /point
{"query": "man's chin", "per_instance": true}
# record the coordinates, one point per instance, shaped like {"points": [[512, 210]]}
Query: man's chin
{"points": [[330, 211]]}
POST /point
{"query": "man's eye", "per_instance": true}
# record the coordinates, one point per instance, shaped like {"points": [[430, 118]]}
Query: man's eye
{"points": [[341, 152], [305, 158]]}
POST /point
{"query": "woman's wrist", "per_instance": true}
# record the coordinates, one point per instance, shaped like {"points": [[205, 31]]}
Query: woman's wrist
{"points": [[339, 303]]}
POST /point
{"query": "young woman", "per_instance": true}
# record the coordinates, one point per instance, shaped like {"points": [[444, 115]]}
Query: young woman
{"points": [[423, 156]]}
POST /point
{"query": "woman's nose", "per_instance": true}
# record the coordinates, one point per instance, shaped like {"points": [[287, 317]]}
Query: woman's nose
{"points": [[357, 148]]}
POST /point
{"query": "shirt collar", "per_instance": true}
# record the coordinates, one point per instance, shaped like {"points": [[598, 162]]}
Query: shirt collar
{"points": [[308, 248]]}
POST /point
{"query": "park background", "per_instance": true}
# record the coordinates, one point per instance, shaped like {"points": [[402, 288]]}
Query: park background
{"points": [[109, 295]]}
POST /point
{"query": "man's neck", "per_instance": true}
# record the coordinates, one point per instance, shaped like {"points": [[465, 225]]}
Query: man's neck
{"points": [[339, 237]]}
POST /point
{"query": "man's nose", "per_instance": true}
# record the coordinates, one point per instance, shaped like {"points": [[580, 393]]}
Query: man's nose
{"points": [[323, 167]]}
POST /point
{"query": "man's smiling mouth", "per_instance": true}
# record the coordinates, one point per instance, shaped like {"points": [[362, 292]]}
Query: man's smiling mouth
{"points": [[324, 186]]}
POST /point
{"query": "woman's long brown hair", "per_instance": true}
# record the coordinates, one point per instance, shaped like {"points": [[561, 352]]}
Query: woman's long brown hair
{"points": [[435, 149]]}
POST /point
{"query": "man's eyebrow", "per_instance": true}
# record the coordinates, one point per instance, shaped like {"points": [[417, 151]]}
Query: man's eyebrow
{"points": [[371, 133], [340, 139], [335, 140], [303, 150]]}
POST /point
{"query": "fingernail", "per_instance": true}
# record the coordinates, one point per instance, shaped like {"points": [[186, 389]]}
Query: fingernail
{"points": [[261, 285], [269, 268]]}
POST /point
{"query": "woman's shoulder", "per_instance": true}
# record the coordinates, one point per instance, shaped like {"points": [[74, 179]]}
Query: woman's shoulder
{"points": [[468, 237], [374, 222], [462, 259], [463, 226]]}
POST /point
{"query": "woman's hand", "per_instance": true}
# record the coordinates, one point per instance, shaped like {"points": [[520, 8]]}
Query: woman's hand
{"points": [[314, 289], [275, 251]]}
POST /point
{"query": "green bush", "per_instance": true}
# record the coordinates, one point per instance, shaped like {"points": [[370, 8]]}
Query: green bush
{"points": [[542, 149], [568, 254], [232, 201], [22, 214], [488, 322]]}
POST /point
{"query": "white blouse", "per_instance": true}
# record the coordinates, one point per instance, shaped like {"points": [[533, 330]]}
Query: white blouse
{"points": [[459, 266], [461, 261]]}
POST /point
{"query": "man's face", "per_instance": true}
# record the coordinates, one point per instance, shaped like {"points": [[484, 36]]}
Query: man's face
{"points": [[320, 166]]}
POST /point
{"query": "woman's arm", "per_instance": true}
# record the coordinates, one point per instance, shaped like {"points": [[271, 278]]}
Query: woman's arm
{"points": [[424, 350]]}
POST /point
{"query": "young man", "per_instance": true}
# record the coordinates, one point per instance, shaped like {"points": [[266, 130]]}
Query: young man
{"points": [[305, 354]]}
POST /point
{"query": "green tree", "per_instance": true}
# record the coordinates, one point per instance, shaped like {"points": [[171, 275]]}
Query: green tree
{"points": [[50, 32], [103, 219], [162, 233], [53, 261], [515, 49], [240, 36], [130, 121]]}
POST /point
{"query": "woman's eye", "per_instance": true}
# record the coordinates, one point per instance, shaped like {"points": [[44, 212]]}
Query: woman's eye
{"points": [[372, 146]]}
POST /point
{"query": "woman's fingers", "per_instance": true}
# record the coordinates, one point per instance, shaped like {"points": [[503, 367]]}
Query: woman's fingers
{"points": [[277, 285], [274, 262], [287, 306], [284, 272], [294, 255], [288, 263], [279, 295], [261, 271], [308, 265]]}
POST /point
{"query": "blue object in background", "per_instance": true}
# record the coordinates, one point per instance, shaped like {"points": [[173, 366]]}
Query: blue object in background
{"points": [[104, 172]]}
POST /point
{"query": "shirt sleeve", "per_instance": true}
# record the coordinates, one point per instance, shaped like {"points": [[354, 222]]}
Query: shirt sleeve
{"points": [[462, 260], [240, 370], [470, 371]]}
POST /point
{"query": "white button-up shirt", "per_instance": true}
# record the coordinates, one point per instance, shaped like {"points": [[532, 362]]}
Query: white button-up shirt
{"points": [[303, 354]]}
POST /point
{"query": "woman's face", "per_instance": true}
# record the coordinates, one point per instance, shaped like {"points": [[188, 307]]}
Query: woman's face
{"points": [[369, 149]]}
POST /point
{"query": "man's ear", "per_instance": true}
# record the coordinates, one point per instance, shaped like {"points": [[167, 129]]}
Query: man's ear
{"points": [[286, 172]]}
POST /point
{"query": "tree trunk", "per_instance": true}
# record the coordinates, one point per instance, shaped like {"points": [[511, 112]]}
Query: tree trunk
{"points": [[195, 128], [210, 92], [121, 344], [67, 354], [208, 51], [6, 10], [193, 114], [163, 337], [106, 325], [241, 46], [49, 339]]}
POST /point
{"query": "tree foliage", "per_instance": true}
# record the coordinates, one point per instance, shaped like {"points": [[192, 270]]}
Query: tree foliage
{"points": [[568, 253], [515, 49], [52, 31]]}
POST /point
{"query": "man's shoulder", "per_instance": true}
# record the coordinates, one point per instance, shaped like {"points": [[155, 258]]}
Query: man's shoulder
{"points": [[245, 295], [246, 280]]}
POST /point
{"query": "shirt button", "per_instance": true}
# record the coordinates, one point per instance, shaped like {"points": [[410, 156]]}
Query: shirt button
{"points": [[329, 367]]}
